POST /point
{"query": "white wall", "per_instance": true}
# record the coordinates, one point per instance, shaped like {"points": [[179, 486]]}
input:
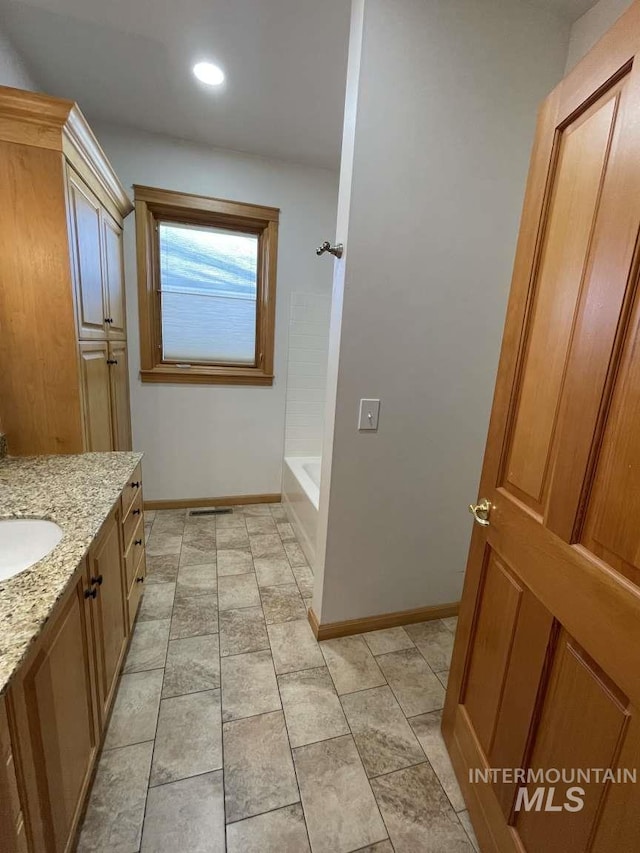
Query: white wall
{"points": [[209, 441], [441, 119], [13, 69], [586, 31]]}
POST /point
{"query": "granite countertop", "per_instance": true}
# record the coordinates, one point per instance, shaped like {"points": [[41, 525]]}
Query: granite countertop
{"points": [[78, 493]]}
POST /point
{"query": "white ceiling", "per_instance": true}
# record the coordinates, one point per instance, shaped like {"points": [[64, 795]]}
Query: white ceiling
{"points": [[129, 62]]}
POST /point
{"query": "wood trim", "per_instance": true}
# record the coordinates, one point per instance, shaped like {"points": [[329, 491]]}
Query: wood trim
{"points": [[228, 500], [329, 630], [154, 205]]}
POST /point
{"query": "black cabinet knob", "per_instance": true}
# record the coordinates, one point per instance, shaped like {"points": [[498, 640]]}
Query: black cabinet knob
{"points": [[135, 485], [108, 320], [97, 580], [112, 361], [90, 593], [136, 512], [138, 542], [139, 580]]}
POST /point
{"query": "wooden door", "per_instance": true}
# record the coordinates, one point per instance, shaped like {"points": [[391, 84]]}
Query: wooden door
{"points": [[86, 251], [546, 667], [96, 395], [119, 389], [110, 618], [113, 278], [56, 724]]}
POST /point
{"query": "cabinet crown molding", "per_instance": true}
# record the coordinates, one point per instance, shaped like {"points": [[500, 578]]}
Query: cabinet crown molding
{"points": [[58, 124]]}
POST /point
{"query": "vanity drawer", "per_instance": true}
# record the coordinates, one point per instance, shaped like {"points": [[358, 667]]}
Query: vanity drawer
{"points": [[136, 588], [12, 834], [134, 552], [132, 490], [132, 520]]}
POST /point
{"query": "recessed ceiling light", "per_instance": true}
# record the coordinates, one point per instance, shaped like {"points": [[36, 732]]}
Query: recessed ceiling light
{"points": [[208, 73]]}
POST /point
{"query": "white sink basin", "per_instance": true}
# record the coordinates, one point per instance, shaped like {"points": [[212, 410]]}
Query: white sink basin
{"points": [[24, 541]]}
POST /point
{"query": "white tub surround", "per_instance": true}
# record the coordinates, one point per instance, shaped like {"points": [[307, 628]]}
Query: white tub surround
{"points": [[301, 497]]}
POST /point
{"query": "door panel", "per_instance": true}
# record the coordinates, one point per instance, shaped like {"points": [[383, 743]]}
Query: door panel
{"points": [[85, 222], [96, 400], [546, 665], [114, 277], [119, 389]]}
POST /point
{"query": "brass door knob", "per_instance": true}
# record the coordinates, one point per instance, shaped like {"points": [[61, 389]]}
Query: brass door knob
{"points": [[480, 512]]}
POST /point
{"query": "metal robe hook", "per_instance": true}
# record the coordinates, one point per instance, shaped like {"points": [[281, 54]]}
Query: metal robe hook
{"points": [[336, 250]]}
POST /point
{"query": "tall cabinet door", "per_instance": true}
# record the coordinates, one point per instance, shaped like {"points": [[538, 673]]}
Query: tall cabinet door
{"points": [[119, 388], [56, 724], [85, 225], [106, 576], [96, 396], [113, 278]]}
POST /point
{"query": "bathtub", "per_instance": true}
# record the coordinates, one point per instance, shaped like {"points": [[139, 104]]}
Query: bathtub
{"points": [[301, 497]]}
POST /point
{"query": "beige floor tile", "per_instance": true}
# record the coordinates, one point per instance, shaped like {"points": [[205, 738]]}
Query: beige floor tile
{"points": [[304, 579], [193, 664], [148, 648], [162, 569], [382, 734], [451, 622], [417, 813], [249, 685], [351, 664], [339, 808], [186, 816], [135, 711], [197, 553], [286, 531], [273, 571], [427, 729], [465, 820], [415, 687], [443, 678], [236, 591], [380, 847], [157, 602], [294, 647], [232, 537], [278, 512], [163, 543], [295, 554], [194, 616], [282, 603], [251, 510], [258, 770], [196, 580], [189, 737], [435, 641], [267, 545], [279, 831], [230, 519], [149, 514], [115, 812], [260, 524], [234, 562], [200, 536], [311, 706], [388, 640], [242, 631]]}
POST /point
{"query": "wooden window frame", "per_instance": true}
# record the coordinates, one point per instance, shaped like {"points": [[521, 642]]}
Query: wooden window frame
{"points": [[154, 205]]}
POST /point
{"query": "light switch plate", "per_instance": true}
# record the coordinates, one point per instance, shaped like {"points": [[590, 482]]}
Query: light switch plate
{"points": [[369, 412]]}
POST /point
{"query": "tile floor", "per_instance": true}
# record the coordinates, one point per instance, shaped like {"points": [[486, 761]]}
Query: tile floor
{"points": [[233, 729]]}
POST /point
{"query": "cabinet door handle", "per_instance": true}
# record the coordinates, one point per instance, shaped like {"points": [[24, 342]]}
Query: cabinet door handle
{"points": [[135, 485], [97, 580], [139, 580], [136, 512], [90, 593], [108, 320], [112, 361], [138, 542]]}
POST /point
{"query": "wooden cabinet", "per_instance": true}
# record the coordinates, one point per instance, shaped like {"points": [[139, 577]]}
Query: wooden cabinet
{"points": [[60, 700], [110, 618], [56, 723], [64, 282], [96, 395]]}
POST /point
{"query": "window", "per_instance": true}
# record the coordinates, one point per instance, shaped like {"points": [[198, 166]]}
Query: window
{"points": [[206, 288]]}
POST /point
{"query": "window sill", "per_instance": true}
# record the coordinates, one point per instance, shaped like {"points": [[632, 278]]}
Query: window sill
{"points": [[169, 375]]}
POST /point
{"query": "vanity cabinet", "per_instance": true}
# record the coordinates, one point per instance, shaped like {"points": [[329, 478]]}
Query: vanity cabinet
{"points": [[60, 700], [64, 381]]}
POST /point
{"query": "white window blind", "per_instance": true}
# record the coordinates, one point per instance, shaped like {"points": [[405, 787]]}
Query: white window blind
{"points": [[208, 284]]}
